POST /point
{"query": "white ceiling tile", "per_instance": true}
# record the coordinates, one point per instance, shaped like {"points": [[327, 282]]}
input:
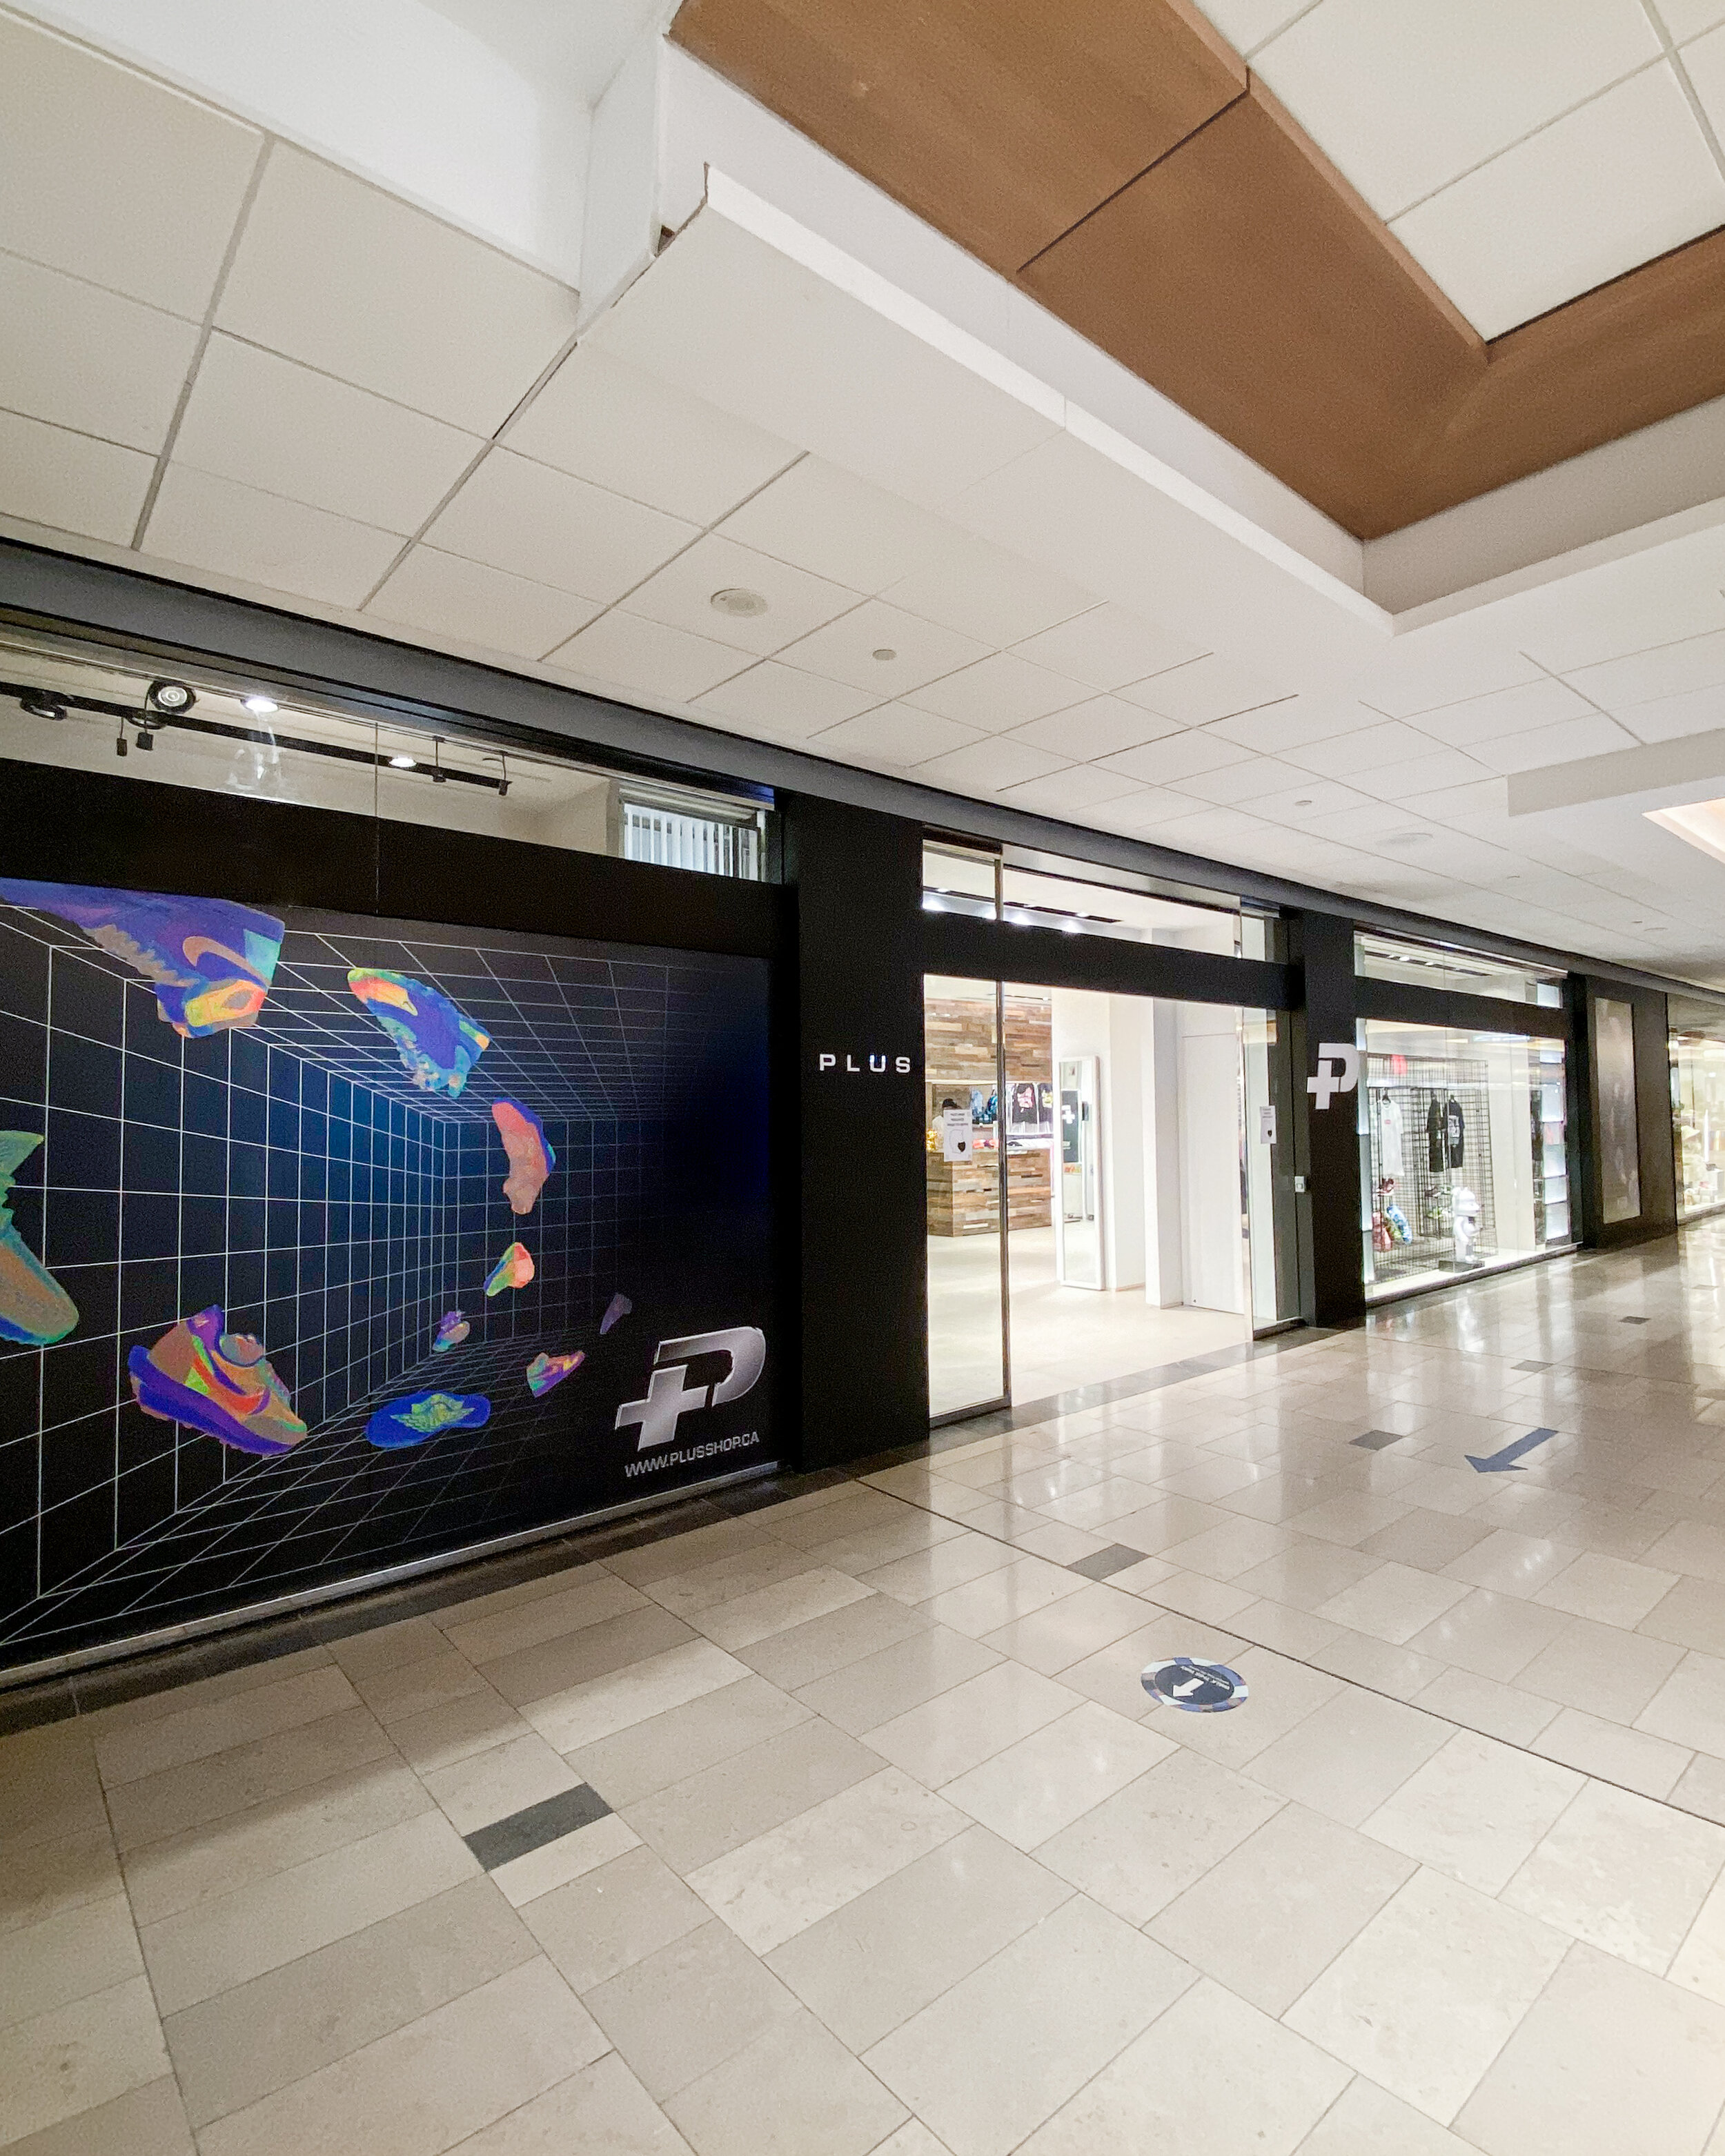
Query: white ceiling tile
{"points": [[1596, 735], [1348, 756], [1246, 23], [1540, 703], [1668, 669], [1688, 19], [1701, 712], [838, 527], [1108, 646], [1070, 792], [779, 700], [338, 273], [1181, 755], [1203, 689], [556, 530], [112, 176], [999, 692], [1369, 825], [50, 476], [894, 735], [1484, 797], [1423, 774], [254, 417], [1418, 674], [610, 423], [1236, 782], [647, 658], [1311, 796], [987, 766], [920, 650], [1627, 178], [1229, 834], [1139, 811], [82, 357], [1403, 96], [681, 595], [211, 523], [1280, 727], [1100, 726], [986, 593], [479, 605]]}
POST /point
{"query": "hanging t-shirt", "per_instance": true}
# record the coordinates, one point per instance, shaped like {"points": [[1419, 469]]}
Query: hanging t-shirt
{"points": [[1434, 1159], [1455, 1131], [1445, 1134], [1389, 1136]]}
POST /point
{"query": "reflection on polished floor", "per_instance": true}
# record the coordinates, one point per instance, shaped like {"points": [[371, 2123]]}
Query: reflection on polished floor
{"points": [[845, 1826], [1061, 1337]]}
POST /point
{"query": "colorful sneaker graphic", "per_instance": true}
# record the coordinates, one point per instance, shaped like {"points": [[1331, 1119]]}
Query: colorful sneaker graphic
{"points": [[411, 1421], [619, 1306], [451, 1329], [210, 962], [216, 1382], [545, 1371], [34, 1308], [531, 1157], [514, 1269], [439, 1044]]}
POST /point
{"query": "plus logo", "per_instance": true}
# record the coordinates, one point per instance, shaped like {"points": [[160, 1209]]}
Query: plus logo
{"points": [[670, 1396], [1338, 1071]]}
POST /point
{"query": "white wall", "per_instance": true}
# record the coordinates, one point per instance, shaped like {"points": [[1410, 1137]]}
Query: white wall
{"points": [[1209, 1156], [477, 109]]}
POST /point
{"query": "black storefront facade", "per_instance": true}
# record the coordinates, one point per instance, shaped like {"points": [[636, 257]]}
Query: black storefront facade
{"points": [[663, 1230]]}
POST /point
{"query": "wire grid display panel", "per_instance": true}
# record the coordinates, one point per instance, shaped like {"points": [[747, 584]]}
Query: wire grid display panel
{"points": [[291, 1174], [1414, 1087]]}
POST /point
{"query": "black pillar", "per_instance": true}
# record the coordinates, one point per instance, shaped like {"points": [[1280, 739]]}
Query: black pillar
{"points": [[858, 876], [1331, 1265]]}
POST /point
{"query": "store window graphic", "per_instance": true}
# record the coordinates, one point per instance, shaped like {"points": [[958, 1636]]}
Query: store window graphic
{"points": [[328, 1243]]}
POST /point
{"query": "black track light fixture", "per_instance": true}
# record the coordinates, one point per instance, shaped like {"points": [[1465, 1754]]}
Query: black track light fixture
{"points": [[172, 698], [41, 705], [119, 742], [440, 776], [503, 783]]}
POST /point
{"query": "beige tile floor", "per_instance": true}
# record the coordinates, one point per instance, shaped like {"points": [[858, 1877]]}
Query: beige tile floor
{"points": [[901, 1858]]}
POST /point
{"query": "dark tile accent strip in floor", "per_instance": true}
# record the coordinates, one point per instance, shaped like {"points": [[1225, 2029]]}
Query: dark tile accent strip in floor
{"points": [[1531, 1366], [1103, 1563], [1374, 1440], [531, 1828], [1632, 1321]]}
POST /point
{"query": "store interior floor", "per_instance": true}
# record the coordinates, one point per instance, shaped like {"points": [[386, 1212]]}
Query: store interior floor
{"points": [[1062, 1338], [845, 1825]]}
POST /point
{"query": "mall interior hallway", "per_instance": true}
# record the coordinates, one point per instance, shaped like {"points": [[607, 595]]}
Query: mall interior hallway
{"points": [[832, 1818]]}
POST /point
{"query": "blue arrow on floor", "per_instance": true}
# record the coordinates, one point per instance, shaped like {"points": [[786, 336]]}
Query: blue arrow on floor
{"points": [[1504, 1462]]}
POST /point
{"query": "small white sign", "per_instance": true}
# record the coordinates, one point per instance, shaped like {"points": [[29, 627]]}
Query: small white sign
{"points": [[1266, 1125], [954, 1134]]}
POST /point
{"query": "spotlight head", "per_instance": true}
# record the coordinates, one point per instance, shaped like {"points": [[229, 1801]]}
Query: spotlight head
{"points": [[147, 739], [41, 705], [439, 777], [172, 698], [120, 744], [502, 788]]}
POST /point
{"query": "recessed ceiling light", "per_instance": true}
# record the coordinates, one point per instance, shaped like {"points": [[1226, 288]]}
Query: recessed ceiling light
{"points": [[885, 651], [1305, 804], [1409, 839], [403, 763], [263, 706], [735, 600]]}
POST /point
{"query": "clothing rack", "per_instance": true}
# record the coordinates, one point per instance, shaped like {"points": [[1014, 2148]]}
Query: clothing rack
{"points": [[1427, 1197]]}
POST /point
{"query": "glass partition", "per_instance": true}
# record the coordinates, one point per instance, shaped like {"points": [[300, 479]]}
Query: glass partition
{"points": [[1697, 1053], [1464, 1153], [963, 1088], [82, 708], [1441, 965]]}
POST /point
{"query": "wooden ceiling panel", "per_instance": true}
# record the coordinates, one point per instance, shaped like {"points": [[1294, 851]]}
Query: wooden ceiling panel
{"points": [[1001, 122], [1115, 159], [1242, 270]]}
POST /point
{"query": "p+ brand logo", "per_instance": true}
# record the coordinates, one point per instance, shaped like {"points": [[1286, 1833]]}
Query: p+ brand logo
{"points": [[669, 1397], [1338, 1071]]}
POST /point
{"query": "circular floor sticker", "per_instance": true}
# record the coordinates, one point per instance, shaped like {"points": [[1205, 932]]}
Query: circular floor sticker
{"points": [[1200, 1688]]}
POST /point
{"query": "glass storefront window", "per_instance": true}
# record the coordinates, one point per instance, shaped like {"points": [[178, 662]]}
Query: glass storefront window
{"points": [[1045, 891], [1440, 966], [88, 710], [1463, 1152], [1697, 1051]]}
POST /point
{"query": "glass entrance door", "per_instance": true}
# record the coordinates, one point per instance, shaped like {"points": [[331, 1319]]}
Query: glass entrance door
{"points": [[964, 1145]]}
